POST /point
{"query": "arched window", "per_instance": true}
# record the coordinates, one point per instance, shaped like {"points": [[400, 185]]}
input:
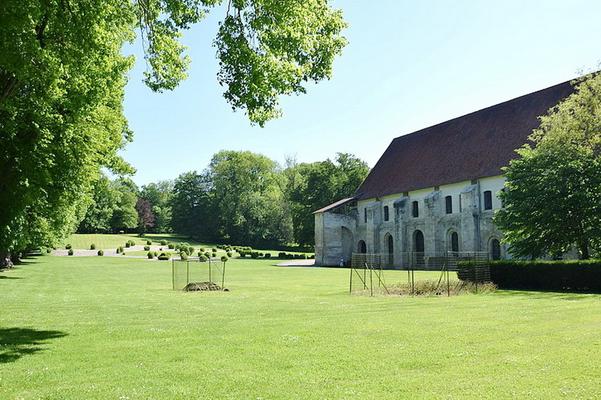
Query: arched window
{"points": [[415, 209], [488, 200], [495, 249], [362, 247], [386, 213], [389, 243], [454, 242], [449, 204]]}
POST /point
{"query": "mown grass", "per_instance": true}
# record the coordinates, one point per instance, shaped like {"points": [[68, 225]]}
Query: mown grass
{"points": [[112, 328], [112, 241]]}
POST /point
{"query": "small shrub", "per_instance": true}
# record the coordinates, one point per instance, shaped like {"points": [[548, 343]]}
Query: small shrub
{"points": [[48, 250], [224, 258], [100, 252], [267, 255], [149, 242], [261, 254], [146, 248], [70, 252], [202, 250], [127, 244], [150, 255], [190, 250], [229, 254], [171, 246], [312, 256], [254, 254], [214, 250], [164, 256], [68, 247], [163, 243], [202, 258], [156, 253], [304, 256], [183, 255], [207, 254], [92, 246], [214, 255], [282, 254]]}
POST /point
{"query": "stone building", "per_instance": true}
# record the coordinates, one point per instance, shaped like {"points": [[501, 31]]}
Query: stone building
{"points": [[434, 190]]}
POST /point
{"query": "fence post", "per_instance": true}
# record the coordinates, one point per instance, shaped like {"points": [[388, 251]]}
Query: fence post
{"points": [[223, 277], [350, 283], [187, 272], [173, 274], [210, 280]]}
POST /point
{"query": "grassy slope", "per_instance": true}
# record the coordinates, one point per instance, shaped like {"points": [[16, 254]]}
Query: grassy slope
{"points": [[282, 333]]}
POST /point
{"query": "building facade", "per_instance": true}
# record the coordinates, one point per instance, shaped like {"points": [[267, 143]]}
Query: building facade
{"points": [[435, 190]]}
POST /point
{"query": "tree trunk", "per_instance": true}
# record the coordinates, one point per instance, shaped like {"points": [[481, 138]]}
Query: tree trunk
{"points": [[584, 250], [5, 260]]}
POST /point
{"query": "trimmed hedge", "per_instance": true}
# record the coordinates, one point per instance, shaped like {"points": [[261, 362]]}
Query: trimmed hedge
{"points": [[563, 275]]}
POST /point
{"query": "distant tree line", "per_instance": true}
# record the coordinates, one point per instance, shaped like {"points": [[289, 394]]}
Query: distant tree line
{"points": [[241, 197]]}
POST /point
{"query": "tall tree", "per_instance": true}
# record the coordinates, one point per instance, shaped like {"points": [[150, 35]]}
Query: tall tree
{"points": [[552, 200], [62, 78], [100, 212], [145, 215], [125, 215], [159, 196], [312, 186], [249, 200], [192, 207]]}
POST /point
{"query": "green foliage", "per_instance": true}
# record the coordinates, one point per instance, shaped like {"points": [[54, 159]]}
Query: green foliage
{"points": [[149, 242], [183, 255], [207, 254], [92, 246], [164, 256], [68, 247], [100, 252], [70, 252], [267, 255], [100, 212], [158, 196], [213, 255], [163, 243], [150, 255], [229, 254], [312, 186], [146, 248], [171, 246], [254, 254], [202, 258], [190, 203], [224, 259], [125, 215], [119, 249], [552, 200]]}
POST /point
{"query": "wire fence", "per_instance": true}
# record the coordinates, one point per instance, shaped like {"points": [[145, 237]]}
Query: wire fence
{"points": [[369, 271], [185, 272]]}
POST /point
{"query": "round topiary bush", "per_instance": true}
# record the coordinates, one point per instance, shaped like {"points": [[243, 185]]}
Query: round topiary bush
{"points": [[164, 256], [183, 255], [202, 258], [267, 255], [156, 253], [92, 246], [146, 248], [214, 250], [207, 254], [127, 244], [190, 250], [202, 250], [229, 254], [68, 247], [100, 252], [171, 246], [254, 254], [163, 243], [224, 258], [119, 249], [214, 255], [149, 242], [48, 250], [70, 252], [150, 255]]}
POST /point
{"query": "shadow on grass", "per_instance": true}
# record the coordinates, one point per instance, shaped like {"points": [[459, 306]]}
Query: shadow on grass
{"points": [[547, 294], [18, 342], [9, 277]]}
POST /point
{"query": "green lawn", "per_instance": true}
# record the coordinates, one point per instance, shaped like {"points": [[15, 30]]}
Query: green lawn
{"points": [[111, 328], [112, 241]]}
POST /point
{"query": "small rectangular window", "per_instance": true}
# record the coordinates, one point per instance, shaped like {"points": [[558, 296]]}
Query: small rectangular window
{"points": [[365, 215], [386, 213], [415, 209], [449, 204], [488, 200]]}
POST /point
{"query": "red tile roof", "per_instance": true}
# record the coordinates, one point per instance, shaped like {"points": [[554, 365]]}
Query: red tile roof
{"points": [[473, 146]]}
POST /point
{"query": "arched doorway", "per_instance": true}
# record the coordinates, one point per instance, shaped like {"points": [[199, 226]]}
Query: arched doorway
{"points": [[389, 246], [418, 247], [495, 249], [362, 247], [454, 242]]}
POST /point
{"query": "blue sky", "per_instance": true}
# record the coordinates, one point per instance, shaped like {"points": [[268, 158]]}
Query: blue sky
{"points": [[408, 65]]}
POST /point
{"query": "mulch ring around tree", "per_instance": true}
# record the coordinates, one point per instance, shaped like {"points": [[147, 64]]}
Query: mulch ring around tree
{"points": [[202, 287]]}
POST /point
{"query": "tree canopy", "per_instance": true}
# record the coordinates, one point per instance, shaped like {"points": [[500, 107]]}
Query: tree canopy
{"points": [[62, 80], [552, 200]]}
